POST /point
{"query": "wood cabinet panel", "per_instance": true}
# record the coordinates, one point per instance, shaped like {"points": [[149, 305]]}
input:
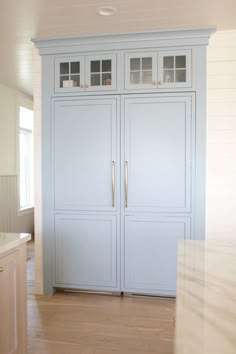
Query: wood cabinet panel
{"points": [[13, 302]]}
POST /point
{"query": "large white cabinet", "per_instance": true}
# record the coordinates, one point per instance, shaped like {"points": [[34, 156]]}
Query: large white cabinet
{"points": [[123, 158]]}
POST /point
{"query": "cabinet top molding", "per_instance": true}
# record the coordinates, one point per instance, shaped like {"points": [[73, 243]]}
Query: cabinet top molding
{"points": [[184, 37]]}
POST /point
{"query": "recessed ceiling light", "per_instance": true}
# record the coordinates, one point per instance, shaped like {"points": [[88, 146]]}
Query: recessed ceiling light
{"points": [[106, 11]]}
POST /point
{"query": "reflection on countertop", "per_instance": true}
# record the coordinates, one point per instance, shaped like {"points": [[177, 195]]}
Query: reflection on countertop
{"points": [[206, 297], [9, 241]]}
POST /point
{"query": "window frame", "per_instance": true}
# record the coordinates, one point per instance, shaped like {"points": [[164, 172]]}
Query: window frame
{"points": [[27, 104]]}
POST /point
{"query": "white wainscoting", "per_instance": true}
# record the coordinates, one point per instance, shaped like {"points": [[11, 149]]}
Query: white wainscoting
{"points": [[10, 220]]}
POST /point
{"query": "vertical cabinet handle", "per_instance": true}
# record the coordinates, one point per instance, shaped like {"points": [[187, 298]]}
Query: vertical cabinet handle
{"points": [[126, 183], [113, 182]]}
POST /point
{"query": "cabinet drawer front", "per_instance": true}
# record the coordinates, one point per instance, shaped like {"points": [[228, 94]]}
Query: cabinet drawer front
{"points": [[150, 253], [85, 251], [159, 153]]}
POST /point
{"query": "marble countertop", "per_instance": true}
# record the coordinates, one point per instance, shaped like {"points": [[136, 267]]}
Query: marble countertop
{"points": [[9, 241], [206, 298]]}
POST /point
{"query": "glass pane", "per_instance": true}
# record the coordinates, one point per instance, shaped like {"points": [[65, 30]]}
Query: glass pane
{"points": [[168, 62], [26, 158], [135, 64], [106, 79], [106, 65], [147, 77], [168, 76], [95, 79], [180, 61], [95, 66], [75, 80], [180, 75], [135, 77], [147, 63], [64, 81], [75, 67], [64, 68]]}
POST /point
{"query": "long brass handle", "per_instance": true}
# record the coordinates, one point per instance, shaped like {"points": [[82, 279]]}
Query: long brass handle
{"points": [[126, 183], [113, 182], [1, 269]]}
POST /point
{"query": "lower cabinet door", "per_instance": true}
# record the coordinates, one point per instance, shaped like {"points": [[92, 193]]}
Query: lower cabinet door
{"points": [[150, 253], [12, 304], [86, 252]]}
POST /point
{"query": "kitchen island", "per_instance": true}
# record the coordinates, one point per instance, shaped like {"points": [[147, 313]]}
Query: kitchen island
{"points": [[13, 314], [206, 298]]}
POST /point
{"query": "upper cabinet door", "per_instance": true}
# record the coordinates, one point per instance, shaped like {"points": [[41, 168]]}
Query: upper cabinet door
{"points": [[100, 72], [84, 144], [174, 69], [140, 71], [159, 153], [69, 74]]}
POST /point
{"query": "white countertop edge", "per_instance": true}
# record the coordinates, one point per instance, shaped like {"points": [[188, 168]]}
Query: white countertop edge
{"points": [[9, 241]]}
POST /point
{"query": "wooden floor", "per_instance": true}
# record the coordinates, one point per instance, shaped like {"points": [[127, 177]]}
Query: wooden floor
{"points": [[99, 324]]}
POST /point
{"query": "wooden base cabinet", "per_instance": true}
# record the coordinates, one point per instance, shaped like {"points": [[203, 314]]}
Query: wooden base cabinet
{"points": [[123, 158], [13, 331]]}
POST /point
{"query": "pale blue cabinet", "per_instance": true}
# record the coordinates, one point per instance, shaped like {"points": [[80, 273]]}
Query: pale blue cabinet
{"points": [[158, 152], [86, 251], [150, 253], [84, 145], [123, 158], [86, 73], [163, 69], [155, 173]]}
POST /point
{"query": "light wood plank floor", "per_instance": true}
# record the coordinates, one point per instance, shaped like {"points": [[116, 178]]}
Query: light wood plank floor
{"points": [[97, 324]]}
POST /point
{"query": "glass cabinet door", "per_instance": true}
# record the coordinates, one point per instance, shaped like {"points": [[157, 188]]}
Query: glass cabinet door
{"points": [[69, 74], [140, 70], [174, 69], [100, 72]]}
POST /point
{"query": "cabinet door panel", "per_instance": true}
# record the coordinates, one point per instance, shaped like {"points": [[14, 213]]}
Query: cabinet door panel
{"points": [[174, 69], [9, 305], [101, 72], [159, 152], [84, 151], [69, 74], [85, 251], [150, 256], [140, 71]]}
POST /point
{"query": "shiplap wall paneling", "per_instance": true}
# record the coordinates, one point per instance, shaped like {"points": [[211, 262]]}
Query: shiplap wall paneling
{"points": [[10, 220], [221, 136]]}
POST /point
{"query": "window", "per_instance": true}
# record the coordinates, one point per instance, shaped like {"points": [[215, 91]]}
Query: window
{"points": [[26, 163]]}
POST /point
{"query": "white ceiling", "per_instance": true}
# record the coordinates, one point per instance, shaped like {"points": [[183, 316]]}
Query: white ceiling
{"points": [[21, 20]]}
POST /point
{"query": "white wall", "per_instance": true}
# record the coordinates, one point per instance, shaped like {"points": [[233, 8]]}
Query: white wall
{"points": [[7, 131], [10, 219], [221, 136]]}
